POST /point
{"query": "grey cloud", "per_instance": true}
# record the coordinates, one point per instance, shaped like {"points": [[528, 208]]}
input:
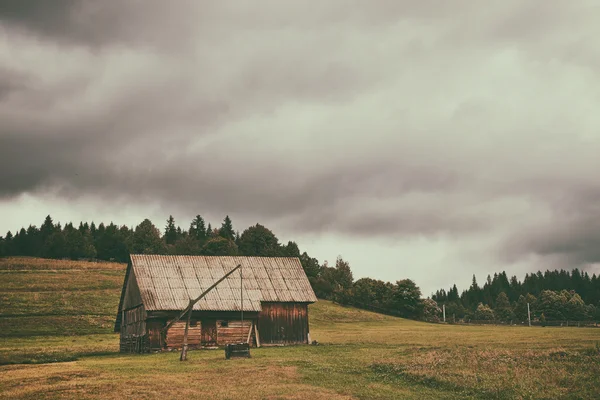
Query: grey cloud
{"points": [[84, 22], [399, 119]]}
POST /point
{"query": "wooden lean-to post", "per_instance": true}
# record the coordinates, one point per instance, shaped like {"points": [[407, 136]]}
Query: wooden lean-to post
{"points": [[257, 336], [184, 349], [250, 332]]}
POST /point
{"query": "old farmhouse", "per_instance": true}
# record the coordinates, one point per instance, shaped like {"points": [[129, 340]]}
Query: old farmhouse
{"points": [[276, 294]]}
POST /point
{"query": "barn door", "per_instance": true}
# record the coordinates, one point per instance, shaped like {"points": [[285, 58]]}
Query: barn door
{"points": [[209, 332]]}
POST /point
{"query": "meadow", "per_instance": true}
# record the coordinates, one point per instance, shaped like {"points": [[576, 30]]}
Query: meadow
{"points": [[56, 341]]}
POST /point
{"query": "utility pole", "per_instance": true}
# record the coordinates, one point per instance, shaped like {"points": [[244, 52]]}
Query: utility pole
{"points": [[444, 309], [242, 294], [528, 314]]}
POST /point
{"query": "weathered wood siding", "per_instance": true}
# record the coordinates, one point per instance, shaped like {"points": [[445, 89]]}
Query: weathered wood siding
{"points": [[283, 323], [132, 297], [174, 339], [133, 337], [133, 334], [236, 331], [154, 327]]}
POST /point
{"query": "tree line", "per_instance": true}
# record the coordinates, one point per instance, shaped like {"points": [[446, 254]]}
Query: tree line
{"points": [[552, 296], [115, 243]]}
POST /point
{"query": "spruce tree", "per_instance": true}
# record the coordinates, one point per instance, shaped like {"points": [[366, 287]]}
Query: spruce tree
{"points": [[503, 309], [198, 229], [226, 230], [170, 231], [47, 228]]}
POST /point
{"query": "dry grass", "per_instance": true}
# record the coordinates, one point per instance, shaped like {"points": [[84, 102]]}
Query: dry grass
{"points": [[31, 263], [361, 355], [206, 375]]}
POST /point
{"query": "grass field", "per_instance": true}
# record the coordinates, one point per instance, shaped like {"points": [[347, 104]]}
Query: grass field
{"points": [[56, 342]]}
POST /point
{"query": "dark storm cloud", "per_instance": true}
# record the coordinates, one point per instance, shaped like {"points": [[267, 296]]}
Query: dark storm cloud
{"points": [[84, 22], [43, 16], [403, 119]]}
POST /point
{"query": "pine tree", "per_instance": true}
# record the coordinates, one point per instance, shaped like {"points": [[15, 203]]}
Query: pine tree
{"points": [[170, 231], [93, 230], [291, 250], [33, 244], [47, 228], [55, 246], [503, 309], [226, 230], [198, 229]]}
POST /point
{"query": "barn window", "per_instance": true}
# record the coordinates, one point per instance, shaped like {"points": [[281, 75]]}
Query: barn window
{"points": [[224, 324], [193, 323]]}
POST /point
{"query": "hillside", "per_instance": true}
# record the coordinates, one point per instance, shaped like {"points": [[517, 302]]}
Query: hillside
{"points": [[56, 311], [55, 297]]}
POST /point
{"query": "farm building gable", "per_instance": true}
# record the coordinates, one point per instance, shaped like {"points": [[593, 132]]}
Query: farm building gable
{"points": [[167, 283]]}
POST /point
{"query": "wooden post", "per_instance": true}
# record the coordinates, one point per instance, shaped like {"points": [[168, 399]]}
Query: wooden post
{"points": [[242, 295], [257, 336], [528, 314], [250, 332], [184, 348]]}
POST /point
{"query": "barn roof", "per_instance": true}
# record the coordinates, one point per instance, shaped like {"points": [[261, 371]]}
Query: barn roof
{"points": [[169, 282]]}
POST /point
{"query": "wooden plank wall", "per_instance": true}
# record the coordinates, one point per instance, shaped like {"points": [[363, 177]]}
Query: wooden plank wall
{"points": [[175, 335], [132, 297], [134, 322], [283, 323], [133, 336], [235, 332], [154, 328]]}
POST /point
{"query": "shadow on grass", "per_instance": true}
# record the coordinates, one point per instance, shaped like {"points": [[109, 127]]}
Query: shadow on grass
{"points": [[49, 358]]}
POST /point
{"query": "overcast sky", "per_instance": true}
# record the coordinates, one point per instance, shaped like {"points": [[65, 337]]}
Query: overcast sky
{"points": [[419, 139]]}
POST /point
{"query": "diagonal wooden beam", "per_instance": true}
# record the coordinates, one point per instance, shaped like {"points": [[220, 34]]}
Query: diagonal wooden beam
{"points": [[197, 299]]}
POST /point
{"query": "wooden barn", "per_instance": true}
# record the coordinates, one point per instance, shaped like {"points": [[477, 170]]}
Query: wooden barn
{"points": [[276, 294]]}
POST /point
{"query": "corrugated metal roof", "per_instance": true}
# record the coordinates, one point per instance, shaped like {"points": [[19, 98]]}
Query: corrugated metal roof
{"points": [[168, 282]]}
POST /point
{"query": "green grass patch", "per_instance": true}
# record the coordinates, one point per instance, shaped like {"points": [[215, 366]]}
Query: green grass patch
{"points": [[46, 349], [94, 302], [31, 263], [60, 280], [56, 325]]}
